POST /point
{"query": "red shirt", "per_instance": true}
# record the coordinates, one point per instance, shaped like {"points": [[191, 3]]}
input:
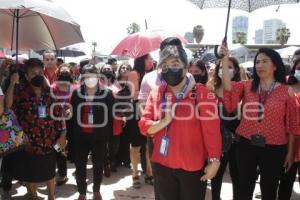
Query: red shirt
{"points": [[117, 126], [118, 122], [85, 120], [297, 149], [280, 116], [192, 141], [52, 77]]}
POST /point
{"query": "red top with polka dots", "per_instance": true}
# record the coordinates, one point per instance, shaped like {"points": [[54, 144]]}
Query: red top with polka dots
{"points": [[297, 150], [280, 116]]}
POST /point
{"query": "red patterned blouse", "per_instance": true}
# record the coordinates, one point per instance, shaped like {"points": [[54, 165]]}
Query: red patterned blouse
{"points": [[280, 116]]}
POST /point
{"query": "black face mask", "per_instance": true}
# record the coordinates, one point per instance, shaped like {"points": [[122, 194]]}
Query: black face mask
{"points": [[200, 79], [65, 77], [173, 77], [108, 74], [37, 81]]}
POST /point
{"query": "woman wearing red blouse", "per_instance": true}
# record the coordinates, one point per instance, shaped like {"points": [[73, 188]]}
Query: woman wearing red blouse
{"points": [[268, 123], [287, 181], [186, 138]]}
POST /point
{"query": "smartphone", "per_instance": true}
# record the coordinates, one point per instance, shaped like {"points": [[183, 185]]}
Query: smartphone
{"points": [[57, 147]]}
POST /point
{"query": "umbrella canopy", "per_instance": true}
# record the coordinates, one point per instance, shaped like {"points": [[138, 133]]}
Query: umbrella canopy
{"points": [[246, 5], [287, 52], [36, 24], [66, 52], [142, 43], [238, 50], [2, 55]]}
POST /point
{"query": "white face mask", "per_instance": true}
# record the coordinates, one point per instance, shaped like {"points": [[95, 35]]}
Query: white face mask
{"points": [[297, 74], [91, 82], [231, 74]]}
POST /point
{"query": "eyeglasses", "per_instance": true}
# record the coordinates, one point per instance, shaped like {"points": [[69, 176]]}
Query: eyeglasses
{"points": [[263, 61], [126, 68], [107, 70], [174, 67]]}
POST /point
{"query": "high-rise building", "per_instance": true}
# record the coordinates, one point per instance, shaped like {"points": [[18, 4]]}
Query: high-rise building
{"points": [[270, 28], [259, 36], [239, 24], [189, 37]]}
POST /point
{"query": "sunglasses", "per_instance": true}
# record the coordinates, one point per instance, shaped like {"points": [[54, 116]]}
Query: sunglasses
{"points": [[126, 68]]}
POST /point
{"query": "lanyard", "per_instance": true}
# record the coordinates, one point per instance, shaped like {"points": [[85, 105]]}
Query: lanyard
{"points": [[86, 95], [66, 96], [178, 97], [263, 100]]}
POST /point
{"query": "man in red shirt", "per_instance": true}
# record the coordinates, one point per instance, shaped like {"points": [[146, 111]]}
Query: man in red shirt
{"points": [[51, 69]]}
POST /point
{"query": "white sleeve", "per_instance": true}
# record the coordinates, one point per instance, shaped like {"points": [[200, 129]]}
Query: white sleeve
{"points": [[145, 89], [191, 78], [1, 92]]}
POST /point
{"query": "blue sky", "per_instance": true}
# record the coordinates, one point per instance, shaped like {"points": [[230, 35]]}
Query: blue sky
{"points": [[105, 21]]}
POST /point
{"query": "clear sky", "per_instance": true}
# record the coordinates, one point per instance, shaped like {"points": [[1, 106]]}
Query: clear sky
{"points": [[105, 21]]}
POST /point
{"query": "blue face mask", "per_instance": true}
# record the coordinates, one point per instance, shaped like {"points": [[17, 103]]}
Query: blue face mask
{"points": [[297, 74]]}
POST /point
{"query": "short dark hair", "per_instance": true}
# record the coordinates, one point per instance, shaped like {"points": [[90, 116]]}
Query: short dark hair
{"points": [[90, 68], [201, 65], [84, 62], [48, 52], [110, 61], [279, 74], [32, 63], [292, 79], [60, 60], [296, 53], [170, 41]]}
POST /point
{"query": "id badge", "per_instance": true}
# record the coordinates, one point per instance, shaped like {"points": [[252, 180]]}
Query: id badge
{"points": [[164, 146], [42, 111], [91, 118], [258, 140]]}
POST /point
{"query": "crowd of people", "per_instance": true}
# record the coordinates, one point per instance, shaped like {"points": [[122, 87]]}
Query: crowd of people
{"points": [[183, 120]]}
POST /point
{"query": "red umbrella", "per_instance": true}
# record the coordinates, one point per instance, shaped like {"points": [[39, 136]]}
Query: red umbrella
{"points": [[2, 55], [142, 43]]}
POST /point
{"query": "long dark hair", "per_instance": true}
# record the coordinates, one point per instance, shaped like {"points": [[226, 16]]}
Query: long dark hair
{"points": [[216, 81], [279, 73], [292, 79], [126, 64], [201, 65], [140, 67]]}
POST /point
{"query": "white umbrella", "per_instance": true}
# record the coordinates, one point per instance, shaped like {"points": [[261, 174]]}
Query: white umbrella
{"points": [[287, 52], [248, 64], [36, 24]]}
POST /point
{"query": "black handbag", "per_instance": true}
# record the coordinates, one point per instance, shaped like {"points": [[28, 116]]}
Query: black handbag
{"points": [[227, 138]]}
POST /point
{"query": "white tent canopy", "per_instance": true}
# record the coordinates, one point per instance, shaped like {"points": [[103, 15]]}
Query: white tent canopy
{"points": [[287, 52]]}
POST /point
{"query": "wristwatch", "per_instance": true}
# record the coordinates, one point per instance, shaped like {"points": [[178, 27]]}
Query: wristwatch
{"points": [[211, 160]]}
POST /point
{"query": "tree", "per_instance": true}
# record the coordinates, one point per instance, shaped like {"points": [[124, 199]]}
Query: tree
{"points": [[94, 44], [282, 35], [198, 33], [133, 28], [240, 37]]}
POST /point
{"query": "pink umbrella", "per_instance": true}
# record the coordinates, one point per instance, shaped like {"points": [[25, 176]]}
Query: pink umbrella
{"points": [[142, 43], [2, 55]]}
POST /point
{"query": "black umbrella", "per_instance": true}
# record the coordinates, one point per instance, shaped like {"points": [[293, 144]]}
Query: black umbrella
{"points": [[246, 5]]}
